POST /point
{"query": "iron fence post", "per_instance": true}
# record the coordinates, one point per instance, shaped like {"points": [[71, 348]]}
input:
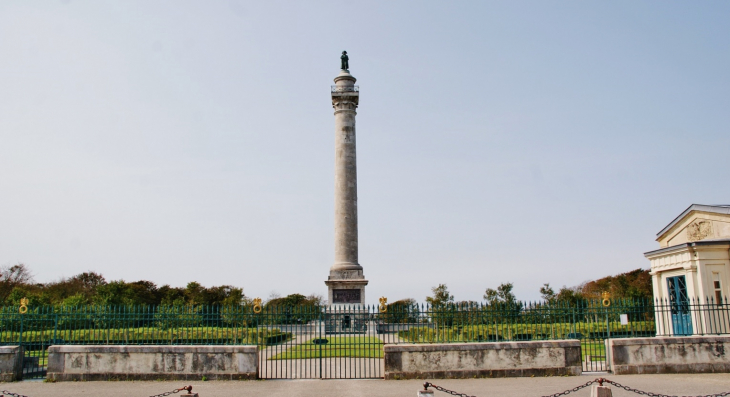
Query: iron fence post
{"points": [[55, 326], [20, 342]]}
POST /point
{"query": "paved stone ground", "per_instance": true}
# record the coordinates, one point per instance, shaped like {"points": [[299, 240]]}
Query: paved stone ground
{"points": [[692, 384]]}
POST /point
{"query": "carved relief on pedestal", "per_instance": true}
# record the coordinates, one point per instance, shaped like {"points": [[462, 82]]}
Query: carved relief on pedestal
{"points": [[699, 230]]}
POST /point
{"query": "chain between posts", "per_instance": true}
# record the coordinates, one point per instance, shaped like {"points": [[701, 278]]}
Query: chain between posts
{"points": [[600, 382], [188, 388], [597, 380], [650, 394], [439, 388], [11, 394]]}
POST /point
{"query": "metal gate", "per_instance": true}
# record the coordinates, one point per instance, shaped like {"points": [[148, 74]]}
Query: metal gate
{"points": [[330, 343], [30, 332]]}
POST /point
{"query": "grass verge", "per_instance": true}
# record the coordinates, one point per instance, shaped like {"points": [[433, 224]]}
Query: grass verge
{"points": [[339, 346]]}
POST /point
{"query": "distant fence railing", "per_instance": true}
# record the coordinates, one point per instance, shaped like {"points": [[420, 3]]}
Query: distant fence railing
{"points": [[336, 89], [411, 323]]}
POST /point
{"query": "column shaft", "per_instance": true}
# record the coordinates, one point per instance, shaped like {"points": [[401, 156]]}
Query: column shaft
{"points": [[345, 188]]}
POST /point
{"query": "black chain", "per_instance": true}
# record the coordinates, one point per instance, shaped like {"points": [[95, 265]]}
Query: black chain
{"points": [[597, 380], [600, 382], [188, 388], [439, 388], [11, 394], [650, 394]]}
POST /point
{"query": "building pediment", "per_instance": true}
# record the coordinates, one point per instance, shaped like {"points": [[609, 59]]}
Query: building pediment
{"points": [[697, 223]]}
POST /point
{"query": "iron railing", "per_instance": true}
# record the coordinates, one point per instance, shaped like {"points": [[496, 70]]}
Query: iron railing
{"points": [[416, 323], [337, 89], [354, 333]]}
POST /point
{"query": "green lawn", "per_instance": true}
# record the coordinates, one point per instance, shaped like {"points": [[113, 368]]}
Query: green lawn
{"points": [[593, 349], [339, 346], [151, 335]]}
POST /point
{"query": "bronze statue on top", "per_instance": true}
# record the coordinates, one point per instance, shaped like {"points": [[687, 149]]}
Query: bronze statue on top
{"points": [[344, 64]]}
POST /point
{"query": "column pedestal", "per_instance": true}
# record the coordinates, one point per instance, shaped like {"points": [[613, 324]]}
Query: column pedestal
{"points": [[346, 288]]}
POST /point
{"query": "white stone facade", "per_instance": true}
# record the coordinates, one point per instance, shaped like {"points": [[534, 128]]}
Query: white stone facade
{"points": [[696, 251]]}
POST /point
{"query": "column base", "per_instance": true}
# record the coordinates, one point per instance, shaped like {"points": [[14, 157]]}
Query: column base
{"points": [[346, 288]]}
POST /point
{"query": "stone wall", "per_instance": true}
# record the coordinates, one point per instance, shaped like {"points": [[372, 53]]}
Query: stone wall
{"points": [[113, 362], [11, 363], [669, 355], [468, 360]]}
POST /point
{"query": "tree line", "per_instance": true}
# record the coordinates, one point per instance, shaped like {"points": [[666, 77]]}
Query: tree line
{"points": [[91, 288], [501, 304], [635, 285]]}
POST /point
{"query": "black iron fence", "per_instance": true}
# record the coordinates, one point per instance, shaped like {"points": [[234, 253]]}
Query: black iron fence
{"points": [[342, 337]]}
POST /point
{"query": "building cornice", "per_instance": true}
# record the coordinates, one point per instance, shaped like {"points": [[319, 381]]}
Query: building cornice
{"points": [[724, 243], [667, 250], [713, 209]]}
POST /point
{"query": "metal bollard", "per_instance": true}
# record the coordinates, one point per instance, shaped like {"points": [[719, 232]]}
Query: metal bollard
{"points": [[425, 392], [600, 390]]}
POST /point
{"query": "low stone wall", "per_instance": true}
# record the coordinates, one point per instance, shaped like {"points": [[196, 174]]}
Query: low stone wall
{"points": [[11, 363], [669, 355], [468, 360], [114, 362]]}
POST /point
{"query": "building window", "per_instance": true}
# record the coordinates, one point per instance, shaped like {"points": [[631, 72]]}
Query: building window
{"points": [[717, 287]]}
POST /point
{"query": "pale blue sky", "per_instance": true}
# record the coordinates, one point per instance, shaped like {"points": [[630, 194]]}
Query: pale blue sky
{"points": [[516, 141]]}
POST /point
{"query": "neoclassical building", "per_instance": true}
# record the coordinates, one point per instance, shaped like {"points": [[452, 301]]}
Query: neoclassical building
{"points": [[690, 271]]}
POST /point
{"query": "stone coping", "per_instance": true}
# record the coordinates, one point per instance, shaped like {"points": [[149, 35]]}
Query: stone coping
{"points": [[151, 362], [485, 373], [11, 363], [181, 349], [483, 359], [669, 340], [429, 347], [9, 349], [156, 377]]}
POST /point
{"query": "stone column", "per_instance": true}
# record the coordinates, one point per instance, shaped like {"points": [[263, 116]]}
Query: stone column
{"points": [[346, 282]]}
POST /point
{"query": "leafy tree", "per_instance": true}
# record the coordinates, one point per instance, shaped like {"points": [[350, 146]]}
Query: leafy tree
{"points": [[441, 296], [442, 305], [547, 293], [503, 302], [195, 293], [75, 300], [115, 293], [13, 276], [16, 282], [503, 294], [402, 311], [293, 309], [570, 296], [171, 295], [35, 298], [635, 284], [231, 296], [89, 280], [145, 293]]}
